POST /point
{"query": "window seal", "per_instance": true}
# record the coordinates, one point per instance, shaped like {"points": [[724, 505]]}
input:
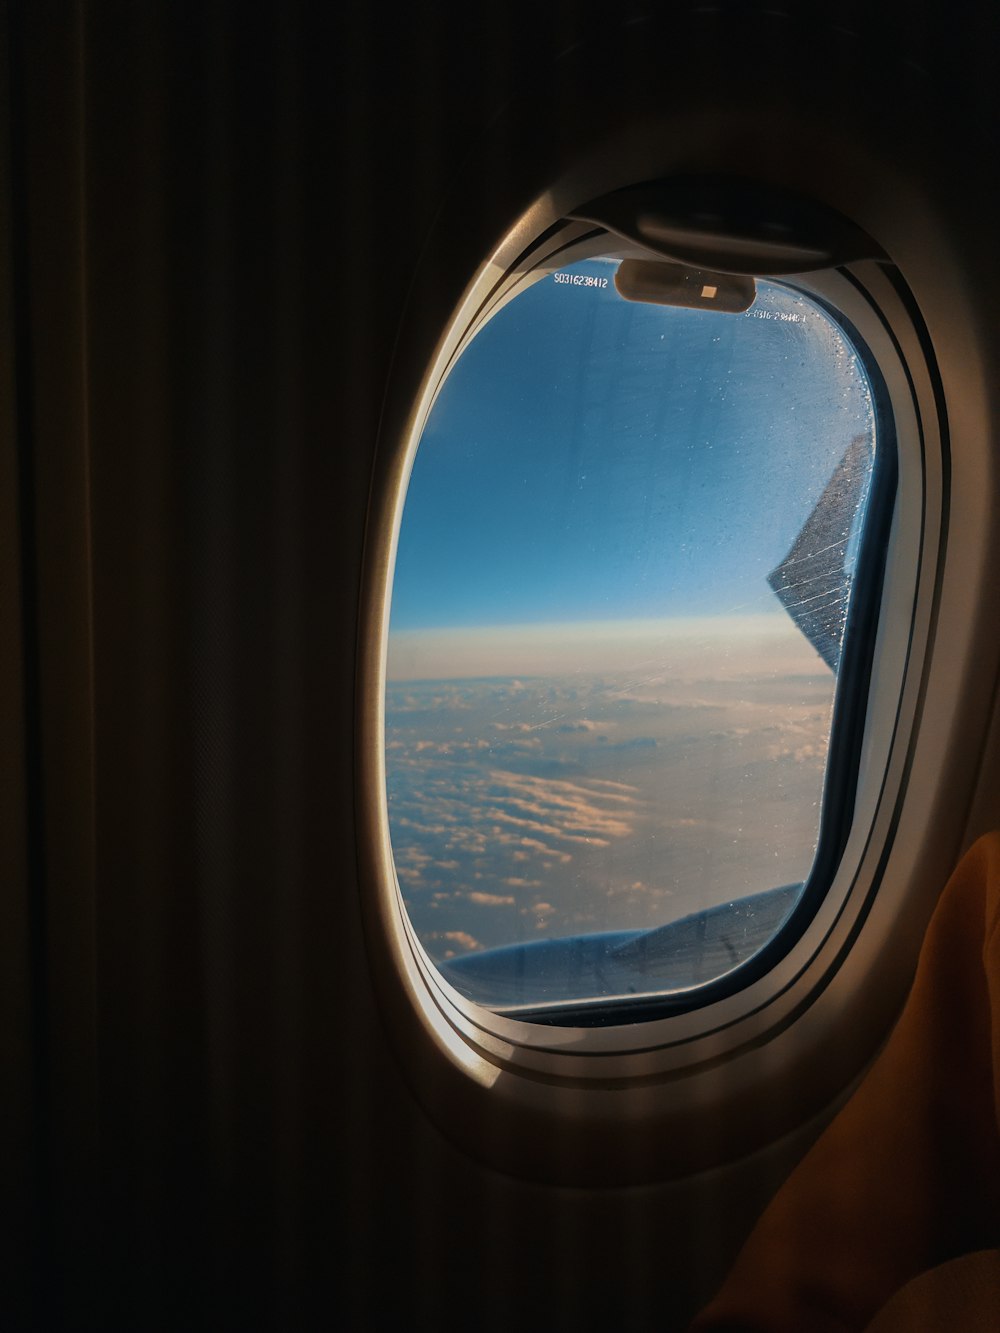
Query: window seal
{"points": [[621, 1051]]}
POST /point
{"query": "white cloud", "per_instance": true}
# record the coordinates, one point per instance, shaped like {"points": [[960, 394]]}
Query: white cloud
{"points": [[492, 899]]}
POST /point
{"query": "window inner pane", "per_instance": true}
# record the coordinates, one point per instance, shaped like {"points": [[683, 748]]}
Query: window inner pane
{"points": [[623, 570]]}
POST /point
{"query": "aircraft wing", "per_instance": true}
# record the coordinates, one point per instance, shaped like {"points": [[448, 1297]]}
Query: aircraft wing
{"points": [[812, 581], [623, 964]]}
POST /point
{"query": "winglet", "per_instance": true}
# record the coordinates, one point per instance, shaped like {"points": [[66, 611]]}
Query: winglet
{"points": [[812, 581]]}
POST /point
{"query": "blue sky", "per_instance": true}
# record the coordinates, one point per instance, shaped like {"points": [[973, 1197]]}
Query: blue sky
{"points": [[595, 459]]}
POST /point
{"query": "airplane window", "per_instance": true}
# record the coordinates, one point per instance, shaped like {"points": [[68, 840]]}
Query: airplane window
{"points": [[624, 570]]}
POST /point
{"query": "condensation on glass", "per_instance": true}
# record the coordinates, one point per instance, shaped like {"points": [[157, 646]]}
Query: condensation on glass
{"points": [[624, 564]]}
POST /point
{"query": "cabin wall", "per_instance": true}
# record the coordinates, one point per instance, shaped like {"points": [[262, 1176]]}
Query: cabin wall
{"points": [[215, 219]]}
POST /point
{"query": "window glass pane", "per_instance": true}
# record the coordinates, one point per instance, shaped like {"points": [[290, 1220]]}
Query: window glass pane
{"points": [[623, 569]]}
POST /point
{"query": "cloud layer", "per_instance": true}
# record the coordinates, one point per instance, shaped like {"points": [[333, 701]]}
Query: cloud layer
{"points": [[525, 808]]}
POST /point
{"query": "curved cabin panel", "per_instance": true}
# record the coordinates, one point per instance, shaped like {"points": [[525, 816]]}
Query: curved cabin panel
{"points": [[249, 253]]}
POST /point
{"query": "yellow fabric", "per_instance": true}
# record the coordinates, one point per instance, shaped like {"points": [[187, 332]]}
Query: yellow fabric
{"points": [[907, 1176], [957, 1297]]}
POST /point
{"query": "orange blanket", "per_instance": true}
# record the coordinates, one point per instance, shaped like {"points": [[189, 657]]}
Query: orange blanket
{"points": [[907, 1176]]}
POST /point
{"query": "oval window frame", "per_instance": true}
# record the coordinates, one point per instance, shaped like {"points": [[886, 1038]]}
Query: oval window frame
{"points": [[554, 1079], [850, 698]]}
